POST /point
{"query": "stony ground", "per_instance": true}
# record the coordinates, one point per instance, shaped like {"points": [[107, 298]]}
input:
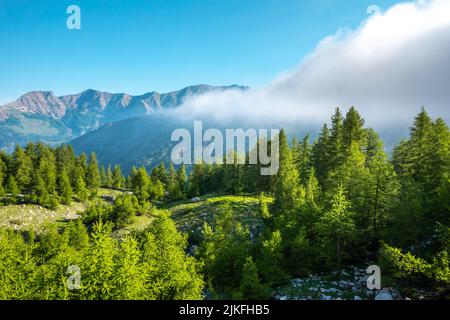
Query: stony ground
{"points": [[349, 284]]}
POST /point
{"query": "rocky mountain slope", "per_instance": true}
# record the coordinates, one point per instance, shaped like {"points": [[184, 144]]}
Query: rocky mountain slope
{"points": [[40, 115]]}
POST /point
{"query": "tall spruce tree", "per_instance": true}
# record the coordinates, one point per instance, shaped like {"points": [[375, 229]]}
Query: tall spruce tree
{"points": [[336, 229], [320, 154], [65, 189], [22, 169], [117, 178], [336, 147], [286, 190], [353, 128], [2, 177], [93, 175]]}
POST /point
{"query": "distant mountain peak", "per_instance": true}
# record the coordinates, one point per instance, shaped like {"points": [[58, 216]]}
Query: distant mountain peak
{"points": [[39, 102], [40, 115]]}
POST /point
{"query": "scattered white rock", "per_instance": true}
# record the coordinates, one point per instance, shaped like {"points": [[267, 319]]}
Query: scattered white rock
{"points": [[384, 295]]}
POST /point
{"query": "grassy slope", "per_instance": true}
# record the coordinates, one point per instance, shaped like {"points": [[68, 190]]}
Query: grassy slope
{"points": [[34, 217], [190, 216], [29, 216]]}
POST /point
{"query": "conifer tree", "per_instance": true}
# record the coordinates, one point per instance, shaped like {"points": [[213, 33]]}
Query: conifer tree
{"points": [[174, 275], [320, 154], [336, 147], [65, 189], [98, 265], [93, 175], [80, 188], [251, 287], [109, 177], [22, 169], [286, 190], [353, 128], [12, 188], [270, 264], [336, 228], [182, 179], [196, 180], [103, 179], [172, 184], [117, 178], [130, 275], [2, 177], [140, 184]]}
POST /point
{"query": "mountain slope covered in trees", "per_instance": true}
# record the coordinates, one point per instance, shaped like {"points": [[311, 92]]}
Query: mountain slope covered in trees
{"points": [[339, 201]]}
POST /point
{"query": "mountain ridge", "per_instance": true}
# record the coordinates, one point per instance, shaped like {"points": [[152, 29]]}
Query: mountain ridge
{"points": [[41, 115]]}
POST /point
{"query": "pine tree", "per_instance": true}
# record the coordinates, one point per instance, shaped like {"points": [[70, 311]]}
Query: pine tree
{"points": [[353, 176], [40, 193], [383, 186], [251, 287], [46, 168], [13, 189], [353, 127], [270, 264], [130, 275], [224, 252], [305, 160], [93, 175], [286, 190], [173, 275], [182, 180], [336, 228], [80, 188], [22, 169], [336, 148], [103, 178], [117, 178], [109, 177], [159, 173], [320, 154], [2, 177], [173, 185], [196, 180], [312, 191], [156, 191], [140, 184], [65, 189], [98, 265]]}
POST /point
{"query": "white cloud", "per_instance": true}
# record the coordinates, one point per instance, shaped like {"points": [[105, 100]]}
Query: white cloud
{"points": [[389, 67]]}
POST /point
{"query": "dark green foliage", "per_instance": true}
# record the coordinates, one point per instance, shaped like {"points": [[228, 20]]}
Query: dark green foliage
{"points": [[251, 287], [93, 175], [124, 210], [117, 178], [224, 251], [64, 188]]}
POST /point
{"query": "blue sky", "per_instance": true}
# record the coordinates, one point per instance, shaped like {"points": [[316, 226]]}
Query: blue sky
{"points": [[137, 46]]}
